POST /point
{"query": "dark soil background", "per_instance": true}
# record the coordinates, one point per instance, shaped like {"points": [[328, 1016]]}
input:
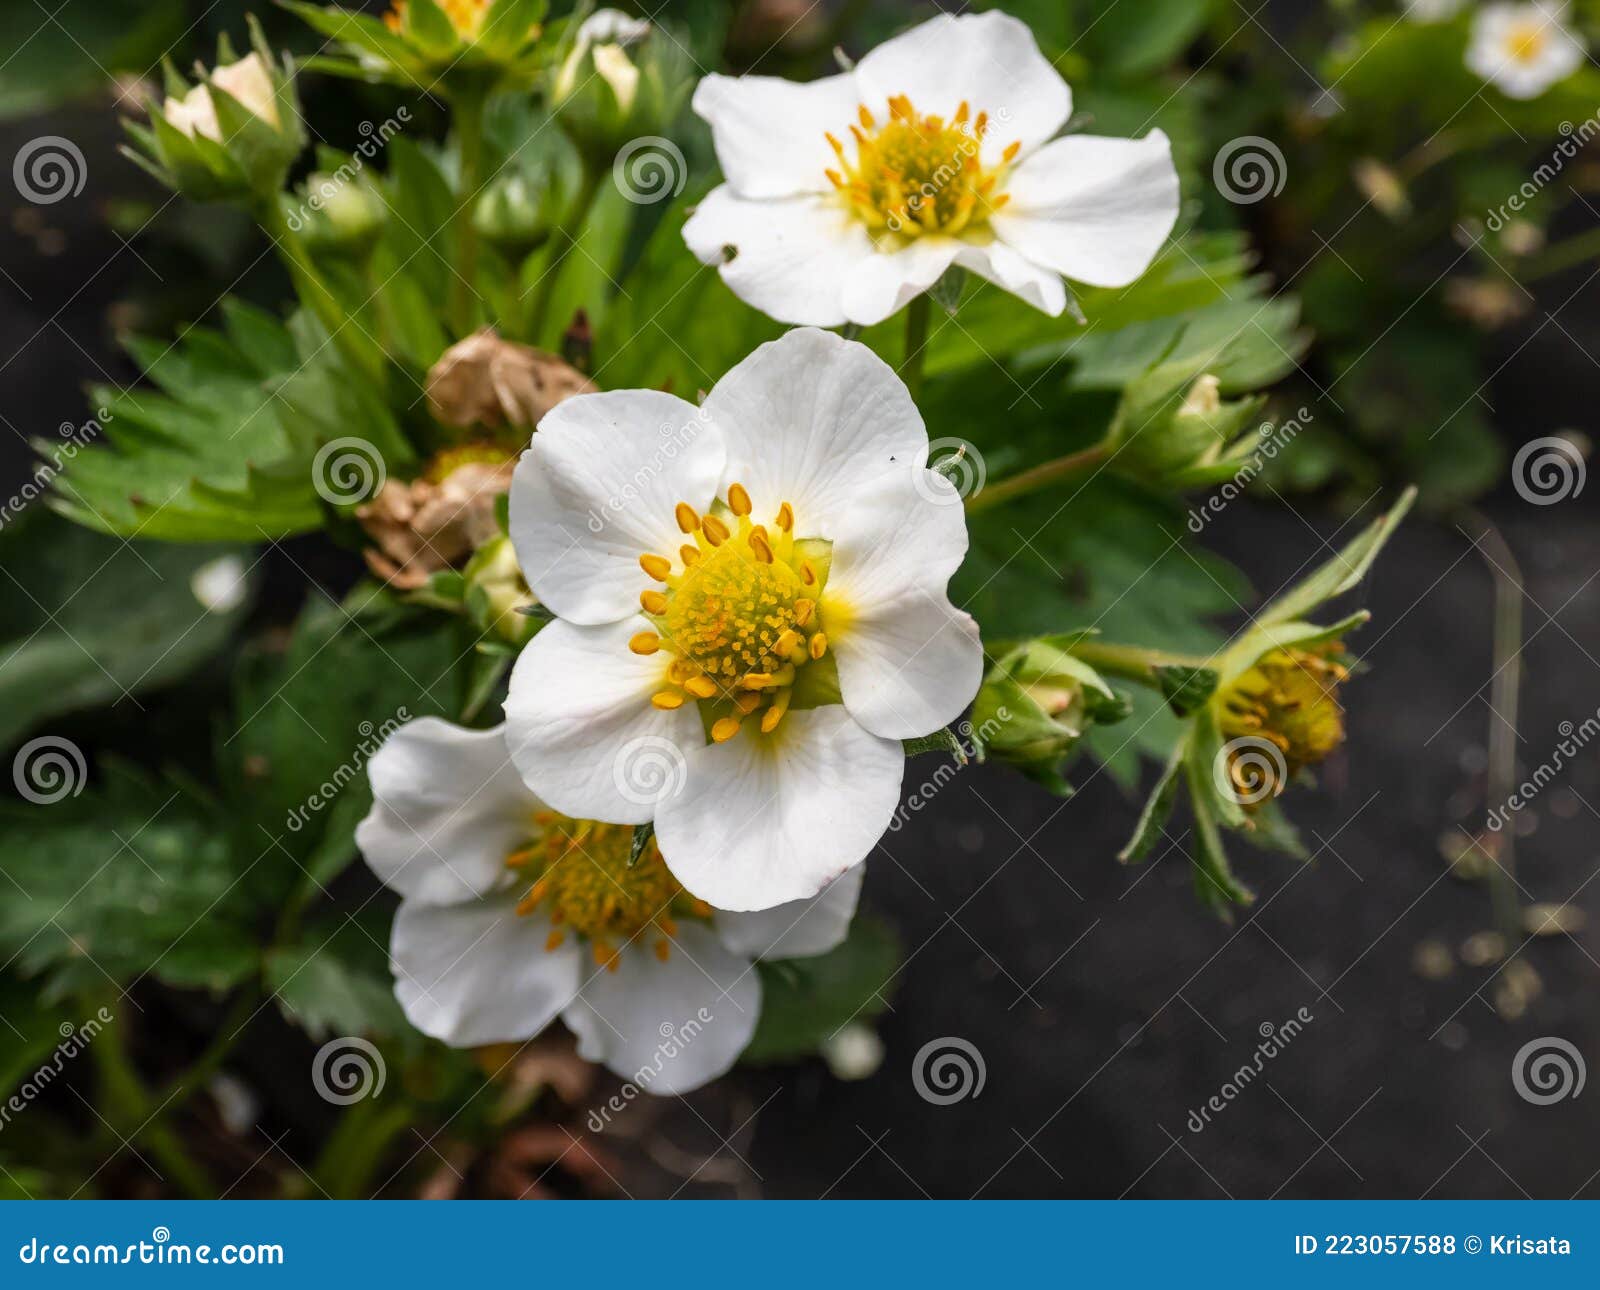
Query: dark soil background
{"points": [[1105, 1004]]}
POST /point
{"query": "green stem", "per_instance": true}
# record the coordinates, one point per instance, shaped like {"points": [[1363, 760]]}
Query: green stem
{"points": [[131, 1115], [469, 107], [1130, 662], [1040, 476], [911, 362], [352, 1155], [228, 1033], [347, 337], [561, 244], [1503, 693]]}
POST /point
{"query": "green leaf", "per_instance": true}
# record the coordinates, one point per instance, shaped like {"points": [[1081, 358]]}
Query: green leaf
{"points": [[1214, 882], [1156, 812], [1341, 573], [307, 722], [222, 449], [335, 980], [804, 1001], [87, 620], [642, 833], [131, 878]]}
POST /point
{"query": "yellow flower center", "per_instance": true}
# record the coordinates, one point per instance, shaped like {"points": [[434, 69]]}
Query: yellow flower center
{"points": [[1526, 40], [739, 611], [466, 16], [1289, 698], [583, 880], [919, 174]]}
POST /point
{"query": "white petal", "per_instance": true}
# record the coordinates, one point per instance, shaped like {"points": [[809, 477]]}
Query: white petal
{"points": [[596, 489], [886, 282], [815, 420], [669, 1027], [768, 819], [990, 60], [1094, 209], [771, 134], [582, 730], [1007, 269], [798, 929], [448, 807], [793, 255], [478, 973], [912, 665]]}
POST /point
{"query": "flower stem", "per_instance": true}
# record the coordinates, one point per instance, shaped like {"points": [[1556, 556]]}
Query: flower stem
{"points": [[566, 237], [469, 140], [131, 1116], [1131, 662], [1035, 478], [917, 313], [343, 331]]}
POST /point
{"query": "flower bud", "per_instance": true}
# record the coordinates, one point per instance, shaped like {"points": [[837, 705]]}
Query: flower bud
{"points": [[340, 216], [497, 592], [621, 78], [232, 136], [1036, 703], [1175, 429], [515, 215]]}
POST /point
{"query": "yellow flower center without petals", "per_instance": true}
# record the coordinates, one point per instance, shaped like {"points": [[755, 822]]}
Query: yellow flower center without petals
{"points": [[1526, 40], [583, 881], [1290, 699], [916, 175], [739, 613]]}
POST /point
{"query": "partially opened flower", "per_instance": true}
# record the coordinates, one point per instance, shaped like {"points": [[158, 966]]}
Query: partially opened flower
{"points": [[1523, 49], [512, 915], [234, 134], [847, 196], [751, 604]]}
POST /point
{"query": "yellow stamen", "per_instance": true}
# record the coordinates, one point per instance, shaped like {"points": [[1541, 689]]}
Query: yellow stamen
{"points": [[819, 645], [688, 521], [667, 700], [653, 602], [724, 729], [644, 643], [786, 517], [657, 566], [738, 499], [689, 554], [716, 532], [702, 687]]}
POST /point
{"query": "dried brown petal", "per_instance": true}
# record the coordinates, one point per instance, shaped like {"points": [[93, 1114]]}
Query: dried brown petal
{"points": [[485, 380]]}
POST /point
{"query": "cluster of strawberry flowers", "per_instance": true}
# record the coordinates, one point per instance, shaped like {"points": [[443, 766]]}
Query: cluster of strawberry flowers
{"points": [[706, 726]]}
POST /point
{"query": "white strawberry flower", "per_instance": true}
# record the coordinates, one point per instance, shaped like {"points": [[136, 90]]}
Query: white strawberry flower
{"points": [[751, 604], [848, 196], [1523, 49], [512, 915]]}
